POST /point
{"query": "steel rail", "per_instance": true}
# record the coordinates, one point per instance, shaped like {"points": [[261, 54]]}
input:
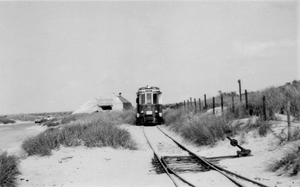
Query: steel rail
{"points": [[157, 156], [180, 177], [164, 165], [217, 168]]}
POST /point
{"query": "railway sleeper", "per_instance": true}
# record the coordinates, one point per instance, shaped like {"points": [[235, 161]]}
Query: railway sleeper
{"points": [[185, 164]]}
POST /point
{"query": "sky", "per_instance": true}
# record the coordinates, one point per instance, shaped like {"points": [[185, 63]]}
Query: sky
{"points": [[55, 56]]}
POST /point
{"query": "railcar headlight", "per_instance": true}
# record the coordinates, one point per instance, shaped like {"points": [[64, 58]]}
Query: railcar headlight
{"points": [[160, 114], [155, 111], [137, 115], [142, 112]]}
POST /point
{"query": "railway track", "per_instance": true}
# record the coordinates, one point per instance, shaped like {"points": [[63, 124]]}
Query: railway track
{"points": [[185, 168]]}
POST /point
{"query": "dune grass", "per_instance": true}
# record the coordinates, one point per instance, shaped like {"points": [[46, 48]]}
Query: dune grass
{"points": [[207, 129], [22, 117], [6, 121], [93, 130], [72, 117], [198, 128], [117, 117], [289, 163], [276, 101], [8, 170]]}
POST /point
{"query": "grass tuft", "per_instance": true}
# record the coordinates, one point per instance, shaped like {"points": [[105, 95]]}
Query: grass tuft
{"points": [[8, 170], [263, 127], [22, 117], [72, 117], [289, 163], [201, 129], [41, 144], [6, 121], [94, 130]]}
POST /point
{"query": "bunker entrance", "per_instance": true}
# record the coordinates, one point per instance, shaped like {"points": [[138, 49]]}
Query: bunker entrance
{"points": [[106, 107]]}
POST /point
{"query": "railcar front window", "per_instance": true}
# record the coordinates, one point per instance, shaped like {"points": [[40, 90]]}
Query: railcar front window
{"points": [[143, 99], [155, 99], [149, 98]]}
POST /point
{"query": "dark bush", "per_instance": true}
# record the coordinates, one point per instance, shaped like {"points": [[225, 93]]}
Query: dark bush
{"points": [[6, 121], [8, 170], [42, 144]]}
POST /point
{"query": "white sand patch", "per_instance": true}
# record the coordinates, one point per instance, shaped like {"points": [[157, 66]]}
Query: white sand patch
{"points": [[80, 166]]}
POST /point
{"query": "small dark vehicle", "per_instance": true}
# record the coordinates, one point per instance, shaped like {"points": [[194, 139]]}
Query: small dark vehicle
{"points": [[40, 120], [149, 106]]}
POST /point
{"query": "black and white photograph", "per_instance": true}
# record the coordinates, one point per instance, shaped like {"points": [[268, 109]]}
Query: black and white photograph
{"points": [[149, 93]]}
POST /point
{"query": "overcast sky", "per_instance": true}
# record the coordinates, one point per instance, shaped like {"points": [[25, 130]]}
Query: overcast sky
{"points": [[55, 56]]}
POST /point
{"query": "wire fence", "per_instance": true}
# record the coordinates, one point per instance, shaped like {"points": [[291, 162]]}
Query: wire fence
{"points": [[236, 103]]}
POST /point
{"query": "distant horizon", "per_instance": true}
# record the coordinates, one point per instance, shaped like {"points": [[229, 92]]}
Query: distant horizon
{"points": [[133, 103], [58, 55]]}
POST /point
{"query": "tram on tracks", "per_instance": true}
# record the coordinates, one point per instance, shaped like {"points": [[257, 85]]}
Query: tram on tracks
{"points": [[149, 106]]}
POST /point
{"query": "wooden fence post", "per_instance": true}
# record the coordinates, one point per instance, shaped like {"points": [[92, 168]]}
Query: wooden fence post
{"points": [[222, 103], [205, 106], [188, 104], [191, 103], [195, 105], [184, 104], [240, 90], [264, 108], [246, 99], [199, 105], [289, 119], [213, 105]]}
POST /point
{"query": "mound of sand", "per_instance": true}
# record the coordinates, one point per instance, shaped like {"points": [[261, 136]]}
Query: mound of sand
{"points": [[88, 107]]}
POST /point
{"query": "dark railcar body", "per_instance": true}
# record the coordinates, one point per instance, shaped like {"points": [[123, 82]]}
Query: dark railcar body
{"points": [[149, 106]]}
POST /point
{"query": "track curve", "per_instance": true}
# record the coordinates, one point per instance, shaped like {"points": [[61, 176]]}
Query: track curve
{"points": [[162, 155]]}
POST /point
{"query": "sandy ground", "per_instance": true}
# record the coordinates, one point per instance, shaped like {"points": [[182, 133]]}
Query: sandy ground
{"points": [[82, 166], [263, 149], [12, 135]]}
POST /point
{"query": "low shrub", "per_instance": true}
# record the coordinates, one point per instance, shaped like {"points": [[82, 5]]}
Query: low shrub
{"points": [[42, 144], [72, 117], [8, 170], [239, 111], [289, 163], [201, 129], [176, 118], [6, 121], [128, 116], [51, 123], [107, 135], [263, 127], [296, 133], [22, 117], [117, 117], [89, 131]]}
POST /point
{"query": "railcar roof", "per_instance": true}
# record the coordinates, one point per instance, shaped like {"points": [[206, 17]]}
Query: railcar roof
{"points": [[149, 87]]}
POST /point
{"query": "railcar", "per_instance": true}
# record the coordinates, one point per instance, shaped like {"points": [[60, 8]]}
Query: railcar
{"points": [[149, 106]]}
